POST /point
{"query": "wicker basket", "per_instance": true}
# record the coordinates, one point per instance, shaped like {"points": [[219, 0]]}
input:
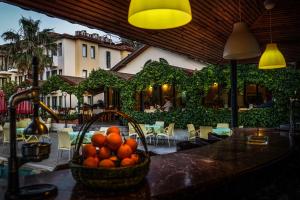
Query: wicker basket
{"points": [[109, 178]]}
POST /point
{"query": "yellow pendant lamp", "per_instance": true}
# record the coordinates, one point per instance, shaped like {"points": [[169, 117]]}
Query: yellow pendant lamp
{"points": [[159, 14], [272, 58]]}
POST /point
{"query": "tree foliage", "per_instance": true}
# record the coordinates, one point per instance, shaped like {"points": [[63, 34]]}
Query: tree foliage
{"points": [[27, 42]]}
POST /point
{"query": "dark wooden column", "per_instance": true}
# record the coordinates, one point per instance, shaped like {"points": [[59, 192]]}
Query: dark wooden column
{"points": [[142, 103], [70, 101], [106, 97], [234, 106], [174, 94]]}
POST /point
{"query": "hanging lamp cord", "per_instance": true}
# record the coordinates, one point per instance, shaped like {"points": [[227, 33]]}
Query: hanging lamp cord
{"points": [[271, 37], [240, 13]]}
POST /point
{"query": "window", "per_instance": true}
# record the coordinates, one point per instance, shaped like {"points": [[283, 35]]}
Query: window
{"points": [[60, 72], [20, 79], [48, 101], [60, 101], [84, 50], [59, 49], [93, 52], [90, 100], [47, 75], [54, 72], [84, 73], [108, 59], [41, 76], [16, 79], [54, 102]]}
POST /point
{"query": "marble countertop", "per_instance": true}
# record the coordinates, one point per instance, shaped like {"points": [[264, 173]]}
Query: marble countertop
{"points": [[173, 175]]}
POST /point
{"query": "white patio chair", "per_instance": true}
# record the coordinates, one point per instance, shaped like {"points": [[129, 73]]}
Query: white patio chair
{"points": [[48, 123], [6, 135], [103, 129], [146, 133], [192, 132], [64, 143], [204, 131], [1, 131], [131, 132], [168, 133]]}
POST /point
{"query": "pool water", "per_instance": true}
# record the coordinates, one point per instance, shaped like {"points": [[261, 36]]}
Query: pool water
{"points": [[23, 171]]}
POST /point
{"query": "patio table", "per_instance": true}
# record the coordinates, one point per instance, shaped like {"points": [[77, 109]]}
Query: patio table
{"points": [[20, 131], [153, 128], [222, 131], [87, 137]]}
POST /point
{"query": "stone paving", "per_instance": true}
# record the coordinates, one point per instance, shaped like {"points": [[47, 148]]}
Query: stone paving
{"points": [[54, 160]]}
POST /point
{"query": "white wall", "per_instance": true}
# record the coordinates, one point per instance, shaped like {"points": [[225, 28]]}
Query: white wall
{"points": [[155, 53], [68, 66], [115, 57]]}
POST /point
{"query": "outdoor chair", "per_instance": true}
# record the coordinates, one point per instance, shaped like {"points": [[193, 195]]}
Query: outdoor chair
{"points": [[204, 131], [6, 135], [168, 133], [131, 132], [103, 129], [1, 131], [192, 132], [22, 124], [146, 133], [222, 125], [48, 124], [64, 143]]}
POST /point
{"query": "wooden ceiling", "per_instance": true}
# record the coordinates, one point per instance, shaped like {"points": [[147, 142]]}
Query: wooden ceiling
{"points": [[204, 38]]}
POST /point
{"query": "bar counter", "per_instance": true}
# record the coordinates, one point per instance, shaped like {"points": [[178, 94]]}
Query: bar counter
{"points": [[185, 174]]}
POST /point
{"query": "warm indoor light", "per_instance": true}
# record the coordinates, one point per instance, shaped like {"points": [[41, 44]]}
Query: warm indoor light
{"points": [[272, 58], [158, 14], [150, 88], [241, 44], [215, 84], [165, 87]]}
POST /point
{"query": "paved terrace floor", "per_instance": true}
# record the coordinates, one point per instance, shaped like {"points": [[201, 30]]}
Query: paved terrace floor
{"points": [[50, 163]]}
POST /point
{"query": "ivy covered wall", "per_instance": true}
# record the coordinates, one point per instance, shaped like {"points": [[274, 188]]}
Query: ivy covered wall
{"points": [[282, 83]]}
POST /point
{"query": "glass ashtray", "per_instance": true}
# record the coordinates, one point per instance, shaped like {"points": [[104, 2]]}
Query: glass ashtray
{"points": [[258, 140]]}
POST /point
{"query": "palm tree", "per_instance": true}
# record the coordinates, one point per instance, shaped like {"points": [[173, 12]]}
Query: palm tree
{"points": [[29, 41]]}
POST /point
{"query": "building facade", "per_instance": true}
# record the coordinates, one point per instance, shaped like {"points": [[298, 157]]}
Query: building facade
{"points": [[77, 56]]}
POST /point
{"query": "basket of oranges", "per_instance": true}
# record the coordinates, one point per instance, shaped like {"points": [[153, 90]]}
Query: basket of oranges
{"points": [[110, 161]]}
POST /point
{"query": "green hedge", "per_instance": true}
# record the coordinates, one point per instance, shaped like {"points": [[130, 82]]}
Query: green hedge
{"points": [[257, 117]]}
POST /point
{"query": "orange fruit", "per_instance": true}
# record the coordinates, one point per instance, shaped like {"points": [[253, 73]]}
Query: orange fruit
{"points": [[107, 163], [89, 150], [98, 140], [124, 151], [90, 162], [114, 158], [104, 153], [97, 159], [126, 162], [113, 129], [114, 141], [132, 143], [135, 157]]}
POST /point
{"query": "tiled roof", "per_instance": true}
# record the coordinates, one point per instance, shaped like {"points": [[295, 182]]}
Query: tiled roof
{"points": [[129, 58], [72, 80]]}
